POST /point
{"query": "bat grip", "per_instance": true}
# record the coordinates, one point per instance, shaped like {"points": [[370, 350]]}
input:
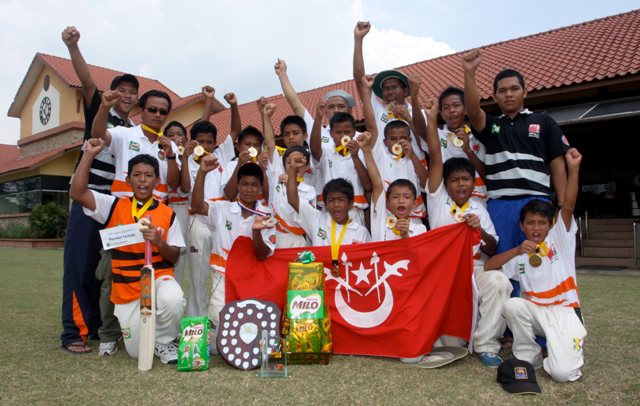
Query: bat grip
{"points": [[148, 248]]}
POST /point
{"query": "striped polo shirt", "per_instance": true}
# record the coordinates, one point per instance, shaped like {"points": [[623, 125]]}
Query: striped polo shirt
{"points": [[102, 171], [518, 153]]}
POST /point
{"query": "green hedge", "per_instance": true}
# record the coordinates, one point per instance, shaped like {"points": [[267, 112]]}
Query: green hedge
{"points": [[48, 221]]}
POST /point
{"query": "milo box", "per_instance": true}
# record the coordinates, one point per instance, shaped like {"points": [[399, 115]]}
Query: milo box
{"points": [[195, 340]]}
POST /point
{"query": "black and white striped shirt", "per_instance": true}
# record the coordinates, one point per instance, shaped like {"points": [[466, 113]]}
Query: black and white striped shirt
{"points": [[519, 152]]}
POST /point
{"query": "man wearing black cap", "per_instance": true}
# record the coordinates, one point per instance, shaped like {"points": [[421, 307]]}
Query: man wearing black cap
{"points": [[81, 289]]}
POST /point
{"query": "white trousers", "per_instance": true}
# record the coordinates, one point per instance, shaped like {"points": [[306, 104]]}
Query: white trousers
{"points": [[182, 215], [561, 327], [199, 247], [494, 289], [216, 303], [169, 308]]}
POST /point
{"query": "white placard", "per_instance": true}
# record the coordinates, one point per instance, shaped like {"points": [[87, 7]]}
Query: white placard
{"points": [[120, 236]]}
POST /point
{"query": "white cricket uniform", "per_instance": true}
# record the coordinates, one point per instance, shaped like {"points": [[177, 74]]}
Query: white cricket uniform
{"points": [[128, 142], [200, 234], [289, 234], [179, 202], [334, 165], [379, 230], [547, 306], [383, 116], [225, 218], [317, 226], [169, 295], [392, 169], [449, 150], [493, 287]]}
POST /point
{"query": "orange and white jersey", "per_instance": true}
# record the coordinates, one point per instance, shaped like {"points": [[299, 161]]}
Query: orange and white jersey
{"points": [[392, 169], [449, 150], [282, 210], [317, 226], [554, 281], [225, 219], [379, 229], [334, 165], [128, 142]]}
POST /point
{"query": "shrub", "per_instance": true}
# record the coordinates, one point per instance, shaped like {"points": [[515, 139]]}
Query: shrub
{"points": [[48, 221], [15, 229]]}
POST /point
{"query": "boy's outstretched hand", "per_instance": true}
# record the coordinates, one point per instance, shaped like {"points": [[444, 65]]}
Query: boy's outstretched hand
{"points": [[280, 67], [231, 98], [208, 163], [402, 225], [364, 141], [472, 220], [527, 247], [432, 110], [208, 92], [362, 29], [110, 98], [264, 222], [471, 60]]}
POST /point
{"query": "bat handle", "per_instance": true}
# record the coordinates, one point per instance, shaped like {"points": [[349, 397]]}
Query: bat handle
{"points": [[148, 248]]}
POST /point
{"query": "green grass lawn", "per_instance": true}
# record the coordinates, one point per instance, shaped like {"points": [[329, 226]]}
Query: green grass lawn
{"points": [[33, 369]]}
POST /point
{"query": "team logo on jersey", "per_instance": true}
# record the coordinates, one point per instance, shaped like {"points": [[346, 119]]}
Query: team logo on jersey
{"points": [[322, 234], [228, 225], [325, 139], [134, 146], [476, 147], [520, 268], [495, 129], [126, 333], [534, 130], [330, 163], [354, 310], [384, 118], [443, 143]]}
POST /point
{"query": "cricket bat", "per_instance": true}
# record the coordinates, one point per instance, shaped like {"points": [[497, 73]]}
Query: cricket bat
{"points": [[147, 310]]}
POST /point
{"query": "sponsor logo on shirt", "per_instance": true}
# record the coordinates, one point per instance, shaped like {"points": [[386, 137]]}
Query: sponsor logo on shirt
{"points": [[134, 146], [325, 139], [495, 129], [384, 118], [443, 143], [534, 130], [521, 269], [228, 225], [322, 234]]}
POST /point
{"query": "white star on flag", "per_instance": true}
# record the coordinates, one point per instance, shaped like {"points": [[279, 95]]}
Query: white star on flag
{"points": [[362, 274]]}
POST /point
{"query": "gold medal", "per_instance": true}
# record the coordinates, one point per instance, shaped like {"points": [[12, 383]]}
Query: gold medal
{"points": [[144, 223], [458, 142], [180, 150], [391, 221], [161, 155], [396, 149], [459, 216], [270, 222], [345, 140], [253, 152], [335, 269], [198, 150], [535, 260]]}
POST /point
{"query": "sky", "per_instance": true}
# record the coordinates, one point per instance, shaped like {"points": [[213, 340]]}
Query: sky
{"points": [[233, 44]]}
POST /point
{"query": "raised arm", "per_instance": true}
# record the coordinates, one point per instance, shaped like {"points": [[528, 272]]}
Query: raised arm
{"points": [[292, 186], [418, 121], [433, 142], [366, 84], [466, 148], [573, 158], [364, 141], [470, 62], [70, 37], [236, 122], [360, 31], [211, 104], [198, 204], [559, 178], [316, 141], [185, 173], [288, 90], [231, 188], [78, 190], [418, 167], [266, 111], [361, 170], [99, 129]]}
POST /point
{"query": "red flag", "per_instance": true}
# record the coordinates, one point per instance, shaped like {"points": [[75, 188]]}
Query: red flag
{"points": [[392, 299]]}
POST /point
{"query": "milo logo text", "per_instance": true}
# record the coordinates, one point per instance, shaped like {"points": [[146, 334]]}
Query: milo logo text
{"points": [[193, 332], [306, 305]]}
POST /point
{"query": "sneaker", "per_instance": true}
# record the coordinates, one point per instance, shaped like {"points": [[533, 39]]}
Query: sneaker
{"points": [[168, 353], [108, 348], [490, 359]]}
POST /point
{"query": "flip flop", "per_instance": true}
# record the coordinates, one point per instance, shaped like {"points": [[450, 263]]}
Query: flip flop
{"points": [[83, 348], [441, 356]]}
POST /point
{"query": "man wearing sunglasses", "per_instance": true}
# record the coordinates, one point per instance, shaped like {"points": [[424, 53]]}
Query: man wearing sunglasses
{"points": [[146, 138]]}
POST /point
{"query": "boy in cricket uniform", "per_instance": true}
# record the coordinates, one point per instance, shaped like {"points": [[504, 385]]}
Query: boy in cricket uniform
{"points": [[163, 232], [544, 264]]}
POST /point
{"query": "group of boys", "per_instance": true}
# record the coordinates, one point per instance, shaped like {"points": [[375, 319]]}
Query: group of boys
{"points": [[328, 185]]}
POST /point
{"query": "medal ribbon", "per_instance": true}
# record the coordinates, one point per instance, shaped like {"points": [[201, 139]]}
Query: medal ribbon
{"points": [[256, 211], [280, 150], [137, 214], [342, 149], [299, 179], [542, 249], [152, 131], [454, 209], [335, 245]]}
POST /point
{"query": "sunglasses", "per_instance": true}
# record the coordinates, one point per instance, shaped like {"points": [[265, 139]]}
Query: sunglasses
{"points": [[154, 110]]}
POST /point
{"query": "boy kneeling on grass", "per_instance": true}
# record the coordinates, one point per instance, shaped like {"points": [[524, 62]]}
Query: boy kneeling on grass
{"points": [[544, 264], [165, 236]]}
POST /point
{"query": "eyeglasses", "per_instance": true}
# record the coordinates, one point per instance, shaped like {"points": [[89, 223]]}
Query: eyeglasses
{"points": [[154, 110], [391, 88]]}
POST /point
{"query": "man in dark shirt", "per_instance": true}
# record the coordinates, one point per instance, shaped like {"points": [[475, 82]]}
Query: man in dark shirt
{"points": [[81, 315]]}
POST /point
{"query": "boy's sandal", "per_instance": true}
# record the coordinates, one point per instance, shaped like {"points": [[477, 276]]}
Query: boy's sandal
{"points": [[76, 348]]}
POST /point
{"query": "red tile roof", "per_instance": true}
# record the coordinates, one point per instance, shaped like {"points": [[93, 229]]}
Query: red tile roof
{"points": [[17, 164], [8, 153], [101, 76], [581, 53]]}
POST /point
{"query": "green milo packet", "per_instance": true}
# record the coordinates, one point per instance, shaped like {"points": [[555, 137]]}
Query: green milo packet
{"points": [[195, 342]]}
